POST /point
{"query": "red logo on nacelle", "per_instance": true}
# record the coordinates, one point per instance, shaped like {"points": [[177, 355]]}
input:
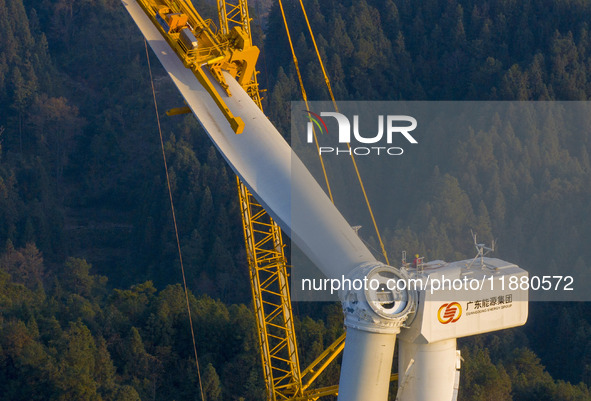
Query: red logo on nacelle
{"points": [[449, 313]]}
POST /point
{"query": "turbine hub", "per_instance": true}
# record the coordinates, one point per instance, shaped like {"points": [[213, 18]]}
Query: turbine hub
{"points": [[376, 298]]}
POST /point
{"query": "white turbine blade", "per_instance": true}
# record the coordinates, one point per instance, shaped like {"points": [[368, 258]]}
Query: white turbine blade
{"points": [[367, 365], [265, 163]]}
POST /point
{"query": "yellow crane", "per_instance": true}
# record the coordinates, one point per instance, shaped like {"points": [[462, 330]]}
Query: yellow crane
{"points": [[268, 272], [208, 51]]}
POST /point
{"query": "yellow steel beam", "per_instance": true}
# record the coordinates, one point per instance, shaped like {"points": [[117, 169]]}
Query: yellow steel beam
{"points": [[323, 360], [271, 299]]}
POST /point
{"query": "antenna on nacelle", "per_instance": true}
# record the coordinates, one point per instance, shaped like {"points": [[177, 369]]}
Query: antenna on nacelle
{"points": [[481, 249]]}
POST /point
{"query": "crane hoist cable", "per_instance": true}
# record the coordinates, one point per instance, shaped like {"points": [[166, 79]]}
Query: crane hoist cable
{"points": [[327, 81], [305, 97], [176, 231]]}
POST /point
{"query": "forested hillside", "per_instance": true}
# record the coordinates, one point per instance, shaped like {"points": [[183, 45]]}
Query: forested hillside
{"points": [[89, 305]]}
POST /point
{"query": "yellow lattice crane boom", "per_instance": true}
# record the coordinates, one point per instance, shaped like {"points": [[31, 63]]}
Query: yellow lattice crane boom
{"points": [[268, 273]]}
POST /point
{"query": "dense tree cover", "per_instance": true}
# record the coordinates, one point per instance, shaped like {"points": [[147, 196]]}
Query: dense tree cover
{"points": [[81, 179], [64, 335], [460, 49], [82, 171]]}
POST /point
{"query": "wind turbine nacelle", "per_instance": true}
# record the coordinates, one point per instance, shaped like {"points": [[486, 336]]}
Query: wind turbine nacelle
{"points": [[465, 298]]}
